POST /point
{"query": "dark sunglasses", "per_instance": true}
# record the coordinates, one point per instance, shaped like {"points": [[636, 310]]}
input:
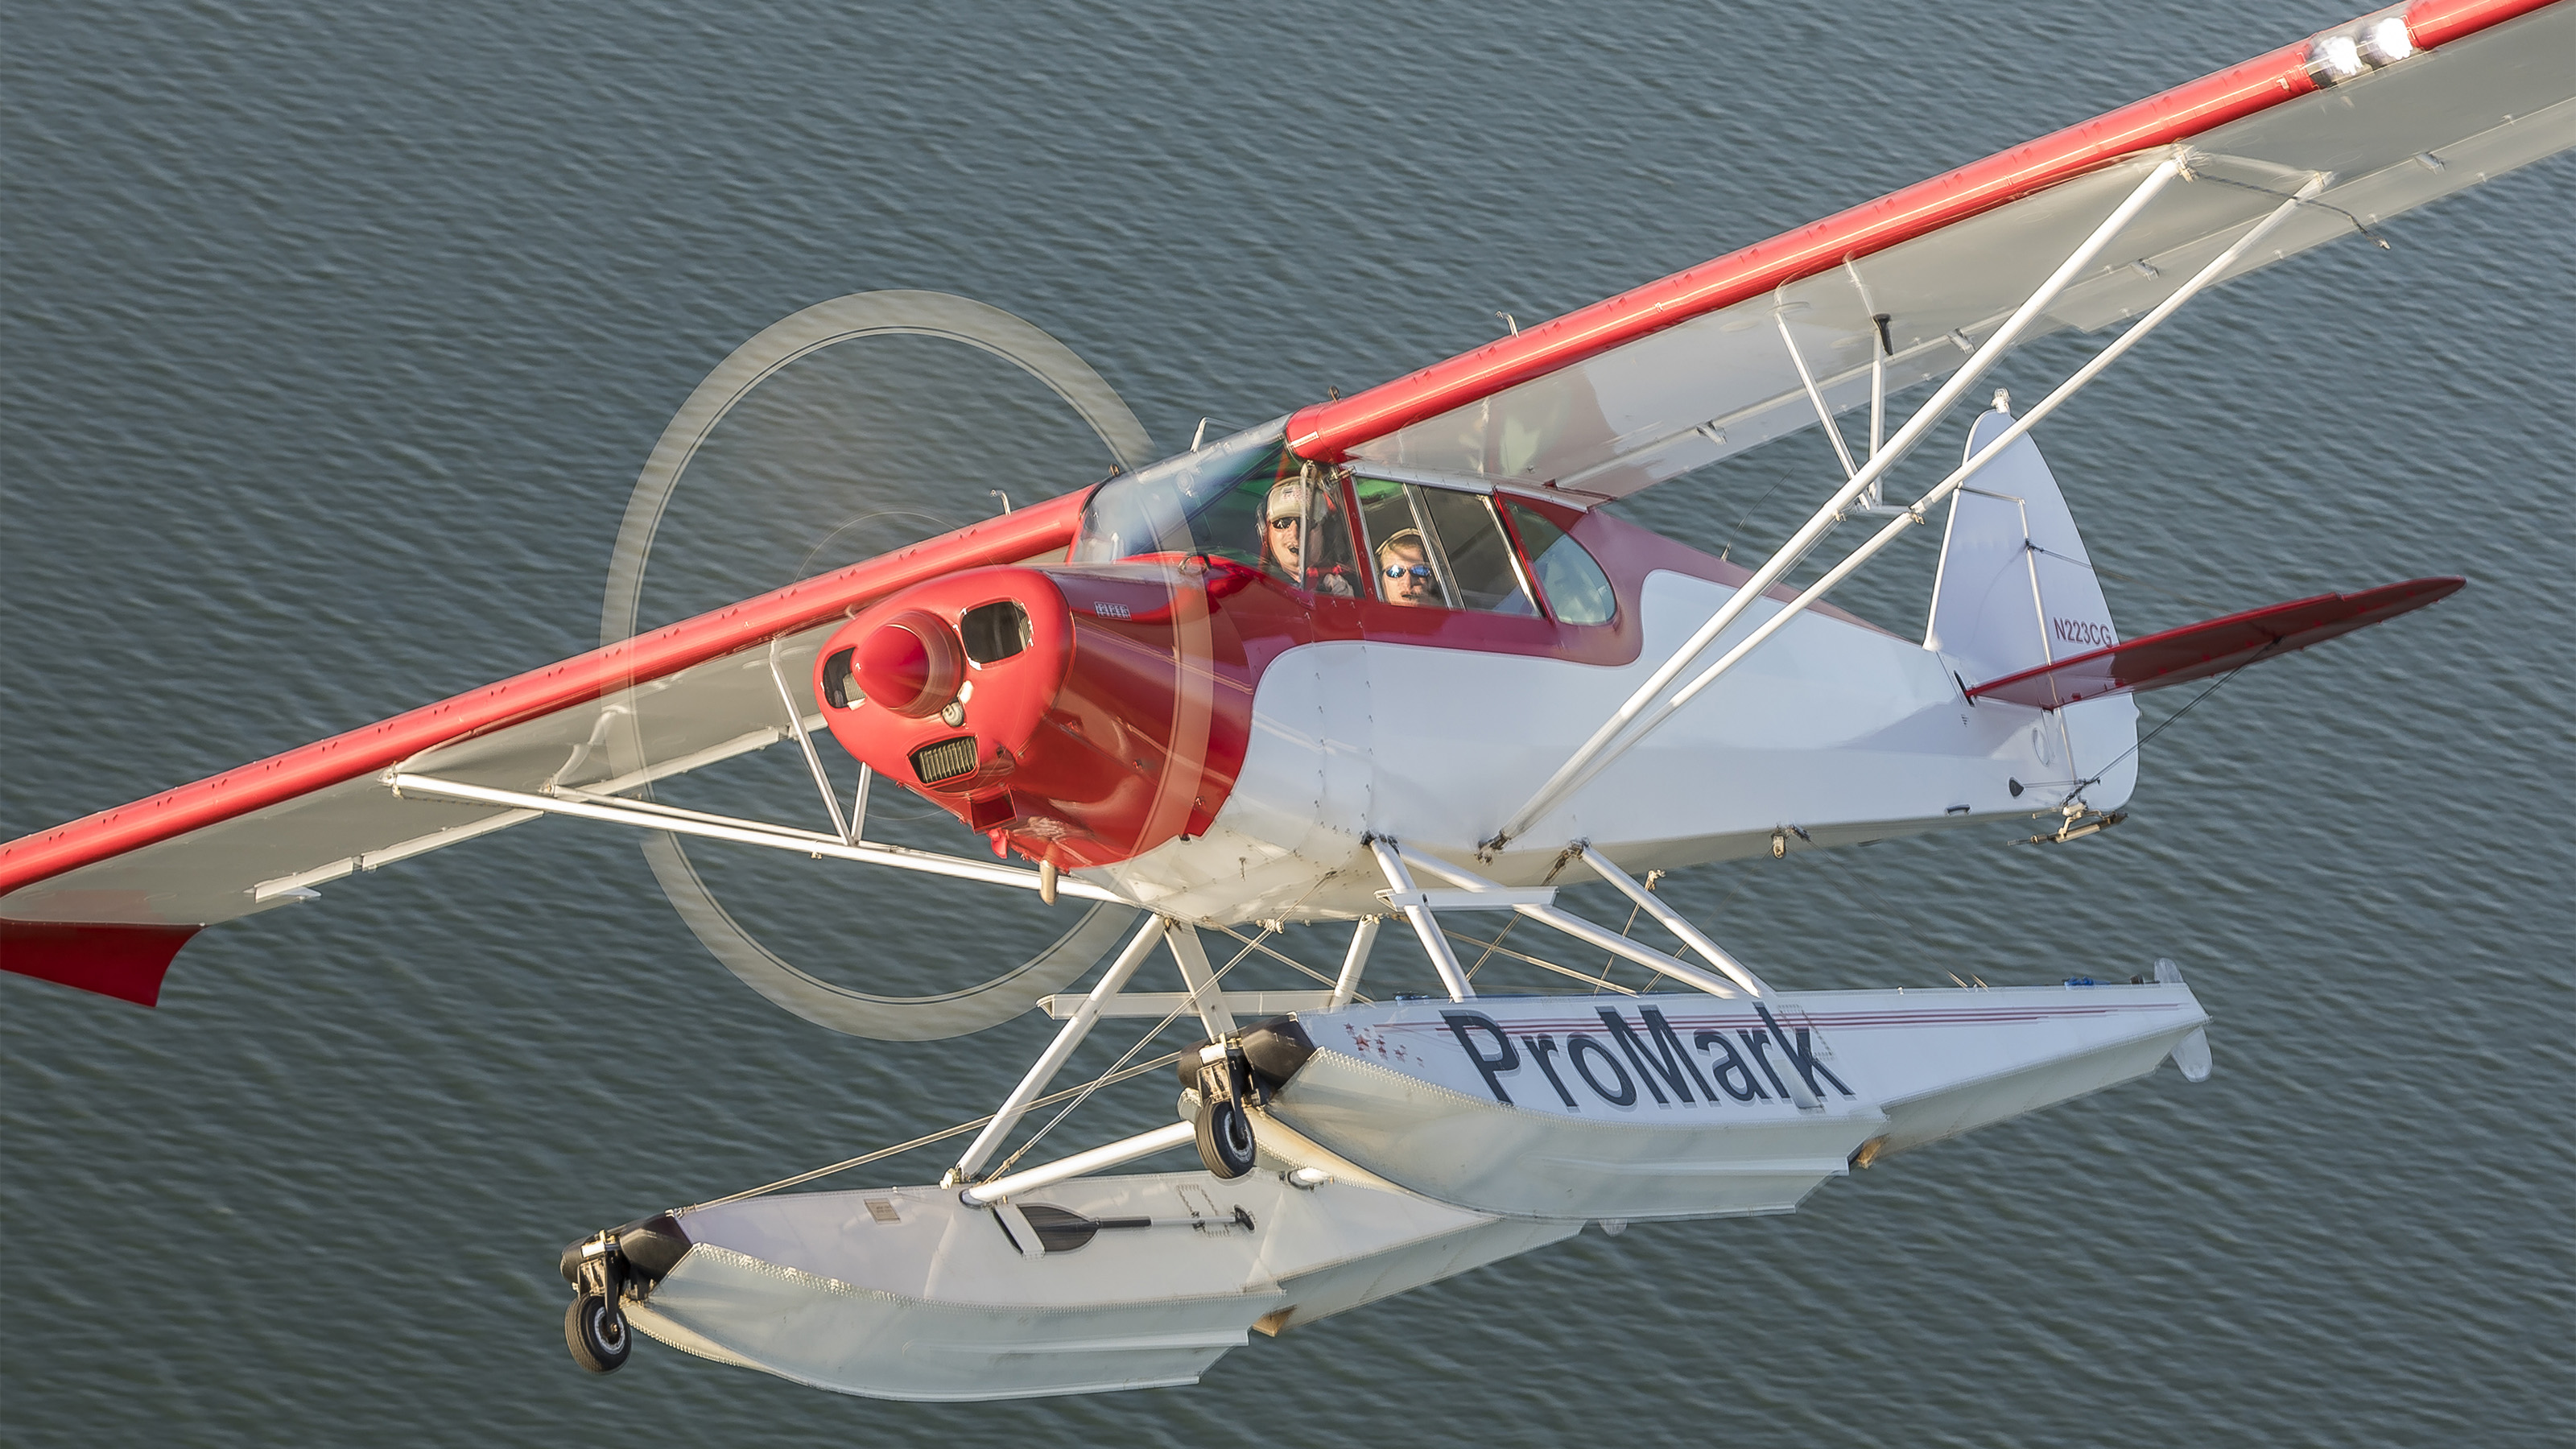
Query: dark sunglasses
{"points": [[1419, 571], [1292, 521]]}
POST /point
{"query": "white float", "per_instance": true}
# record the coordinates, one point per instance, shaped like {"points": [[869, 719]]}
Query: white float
{"points": [[1418, 1139]]}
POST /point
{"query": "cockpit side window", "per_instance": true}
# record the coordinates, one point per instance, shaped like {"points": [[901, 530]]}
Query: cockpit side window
{"points": [[1576, 589], [1482, 567], [1209, 502], [1305, 535], [1439, 547], [1246, 499], [1404, 570]]}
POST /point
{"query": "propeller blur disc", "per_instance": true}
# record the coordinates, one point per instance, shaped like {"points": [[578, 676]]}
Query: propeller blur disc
{"points": [[762, 360]]}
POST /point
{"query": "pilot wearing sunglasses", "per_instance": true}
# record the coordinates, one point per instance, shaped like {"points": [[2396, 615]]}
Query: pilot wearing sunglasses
{"points": [[1404, 569], [1298, 509]]}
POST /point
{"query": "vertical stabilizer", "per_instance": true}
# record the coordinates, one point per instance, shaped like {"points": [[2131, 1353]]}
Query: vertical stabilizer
{"points": [[2016, 591]]}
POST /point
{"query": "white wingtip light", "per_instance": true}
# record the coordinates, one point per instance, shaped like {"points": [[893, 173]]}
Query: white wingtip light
{"points": [[2367, 44], [2385, 41]]}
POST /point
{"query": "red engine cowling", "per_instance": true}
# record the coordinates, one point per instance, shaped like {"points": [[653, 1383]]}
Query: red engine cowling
{"points": [[1079, 715]]}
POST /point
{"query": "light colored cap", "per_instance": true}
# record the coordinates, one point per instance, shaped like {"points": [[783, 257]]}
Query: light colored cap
{"points": [[1287, 500], [1403, 538]]}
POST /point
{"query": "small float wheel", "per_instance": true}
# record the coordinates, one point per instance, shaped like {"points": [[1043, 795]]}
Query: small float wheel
{"points": [[1225, 1137], [596, 1332]]}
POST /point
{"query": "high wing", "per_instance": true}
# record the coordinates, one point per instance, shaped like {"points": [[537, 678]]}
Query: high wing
{"points": [[1601, 402], [1684, 371], [103, 903]]}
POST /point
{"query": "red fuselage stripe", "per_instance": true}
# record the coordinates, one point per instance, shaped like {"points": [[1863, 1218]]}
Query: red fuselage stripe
{"points": [[1031, 531], [1329, 432]]}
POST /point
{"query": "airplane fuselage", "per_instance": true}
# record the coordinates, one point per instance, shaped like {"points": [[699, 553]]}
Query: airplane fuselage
{"points": [[1218, 739]]}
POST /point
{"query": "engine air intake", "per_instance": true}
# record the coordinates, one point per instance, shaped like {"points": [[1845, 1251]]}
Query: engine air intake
{"points": [[945, 760], [995, 631], [841, 681]]}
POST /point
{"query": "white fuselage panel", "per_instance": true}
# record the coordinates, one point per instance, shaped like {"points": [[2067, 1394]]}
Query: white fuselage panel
{"points": [[1838, 730]]}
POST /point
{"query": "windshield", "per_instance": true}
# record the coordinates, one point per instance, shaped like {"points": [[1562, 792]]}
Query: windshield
{"points": [[1214, 501]]}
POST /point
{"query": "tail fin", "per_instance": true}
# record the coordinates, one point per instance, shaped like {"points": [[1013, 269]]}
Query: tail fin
{"points": [[2016, 592]]}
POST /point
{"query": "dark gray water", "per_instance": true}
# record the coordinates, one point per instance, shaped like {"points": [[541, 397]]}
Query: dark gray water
{"points": [[333, 345]]}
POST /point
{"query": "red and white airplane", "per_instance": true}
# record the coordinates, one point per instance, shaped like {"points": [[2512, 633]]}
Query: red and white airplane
{"points": [[1386, 658]]}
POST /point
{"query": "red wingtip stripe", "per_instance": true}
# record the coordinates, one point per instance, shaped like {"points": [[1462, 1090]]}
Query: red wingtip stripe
{"points": [[126, 962]]}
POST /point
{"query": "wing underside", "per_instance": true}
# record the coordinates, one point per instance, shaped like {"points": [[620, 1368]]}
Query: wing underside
{"points": [[606, 723], [1602, 402], [1678, 397], [279, 854]]}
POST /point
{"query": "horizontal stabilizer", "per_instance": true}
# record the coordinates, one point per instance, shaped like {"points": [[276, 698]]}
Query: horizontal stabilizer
{"points": [[2212, 646]]}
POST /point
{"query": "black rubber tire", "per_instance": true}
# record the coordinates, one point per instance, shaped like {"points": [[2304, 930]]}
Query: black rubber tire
{"points": [[596, 1332], [1225, 1137]]}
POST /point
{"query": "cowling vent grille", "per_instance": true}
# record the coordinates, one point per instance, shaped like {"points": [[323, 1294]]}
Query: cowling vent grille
{"points": [[945, 760]]}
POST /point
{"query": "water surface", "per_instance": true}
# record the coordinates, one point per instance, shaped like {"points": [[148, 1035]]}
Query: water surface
{"points": [[332, 346]]}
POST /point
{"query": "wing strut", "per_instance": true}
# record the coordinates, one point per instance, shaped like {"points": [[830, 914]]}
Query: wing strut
{"points": [[653, 815], [1914, 515], [1601, 937], [813, 762], [1583, 761], [1824, 414], [1417, 913], [1014, 1107]]}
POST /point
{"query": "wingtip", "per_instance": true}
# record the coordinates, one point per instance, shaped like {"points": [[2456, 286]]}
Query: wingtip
{"points": [[125, 961]]}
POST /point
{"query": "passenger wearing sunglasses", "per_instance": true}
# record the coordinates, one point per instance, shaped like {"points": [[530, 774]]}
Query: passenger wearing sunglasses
{"points": [[1404, 570]]}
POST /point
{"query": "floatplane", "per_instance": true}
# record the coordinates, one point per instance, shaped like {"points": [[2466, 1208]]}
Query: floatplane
{"points": [[1255, 684]]}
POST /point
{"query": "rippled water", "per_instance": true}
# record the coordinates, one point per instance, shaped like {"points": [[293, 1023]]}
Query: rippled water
{"points": [[333, 344]]}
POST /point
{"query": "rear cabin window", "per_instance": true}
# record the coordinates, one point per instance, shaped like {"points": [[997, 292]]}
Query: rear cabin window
{"points": [[1576, 589], [1439, 548]]}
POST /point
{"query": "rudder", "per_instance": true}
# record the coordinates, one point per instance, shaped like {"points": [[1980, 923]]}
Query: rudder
{"points": [[2016, 590]]}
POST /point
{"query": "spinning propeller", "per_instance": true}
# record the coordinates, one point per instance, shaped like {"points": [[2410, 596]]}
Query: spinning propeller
{"points": [[804, 434]]}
